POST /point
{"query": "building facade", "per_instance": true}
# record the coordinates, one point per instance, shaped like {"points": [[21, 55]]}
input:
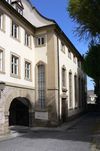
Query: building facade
{"points": [[41, 69]]}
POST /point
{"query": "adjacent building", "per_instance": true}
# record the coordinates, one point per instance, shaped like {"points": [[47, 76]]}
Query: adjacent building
{"points": [[91, 97], [41, 69]]}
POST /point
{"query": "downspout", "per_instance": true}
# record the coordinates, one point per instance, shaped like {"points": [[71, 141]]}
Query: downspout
{"points": [[58, 80]]}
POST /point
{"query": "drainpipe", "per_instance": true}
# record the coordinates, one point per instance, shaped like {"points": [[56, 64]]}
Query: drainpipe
{"points": [[58, 80]]}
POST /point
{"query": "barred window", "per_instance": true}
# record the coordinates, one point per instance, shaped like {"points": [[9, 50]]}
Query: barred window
{"points": [[41, 86]]}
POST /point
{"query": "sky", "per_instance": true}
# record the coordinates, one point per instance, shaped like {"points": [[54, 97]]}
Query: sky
{"points": [[57, 10]]}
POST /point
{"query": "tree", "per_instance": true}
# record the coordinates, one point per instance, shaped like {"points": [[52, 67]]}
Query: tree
{"points": [[87, 14], [91, 65]]}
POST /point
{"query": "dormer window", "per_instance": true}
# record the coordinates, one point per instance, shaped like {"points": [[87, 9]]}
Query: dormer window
{"points": [[8, 1], [17, 4]]}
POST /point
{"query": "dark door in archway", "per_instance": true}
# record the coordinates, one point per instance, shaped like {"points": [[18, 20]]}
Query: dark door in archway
{"points": [[19, 113], [64, 110]]}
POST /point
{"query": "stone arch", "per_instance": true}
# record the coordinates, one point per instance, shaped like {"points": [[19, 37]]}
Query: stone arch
{"points": [[15, 94]]}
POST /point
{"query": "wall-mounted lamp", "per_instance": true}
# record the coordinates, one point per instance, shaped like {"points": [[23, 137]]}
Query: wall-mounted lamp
{"points": [[2, 86]]}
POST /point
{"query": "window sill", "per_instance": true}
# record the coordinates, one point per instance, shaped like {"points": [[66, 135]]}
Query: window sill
{"points": [[15, 38], [28, 46], [30, 80], [44, 45], [2, 72], [40, 110], [63, 51], [2, 30], [70, 108], [15, 76]]}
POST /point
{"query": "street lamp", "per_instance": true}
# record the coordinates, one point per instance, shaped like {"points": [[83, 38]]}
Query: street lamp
{"points": [[2, 86]]}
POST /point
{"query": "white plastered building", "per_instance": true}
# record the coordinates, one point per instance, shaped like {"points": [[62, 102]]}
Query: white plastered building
{"points": [[41, 69]]}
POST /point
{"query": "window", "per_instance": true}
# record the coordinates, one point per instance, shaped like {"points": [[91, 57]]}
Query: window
{"points": [[9, 1], [14, 65], [69, 54], [75, 90], [19, 10], [41, 86], [27, 70], [1, 60], [74, 58], [62, 47], [15, 30], [63, 77], [79, 64], [1, 21], [79, 91], [27, 39], [18, 6], [40, 41], [70, 90]]}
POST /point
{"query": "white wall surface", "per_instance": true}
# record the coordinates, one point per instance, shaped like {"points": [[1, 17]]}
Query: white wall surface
{"points": [[32, 16], [11, 45]]}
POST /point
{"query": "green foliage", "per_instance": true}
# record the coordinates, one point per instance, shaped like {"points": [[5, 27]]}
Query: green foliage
{"points": [[91, 64], [87, 14]]}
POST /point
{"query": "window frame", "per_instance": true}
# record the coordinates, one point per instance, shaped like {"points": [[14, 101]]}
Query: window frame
{"points": [[19, 9], [63, 77], [41, 88], [15, 30], [69, 54], [2, 21], [2, 60], [27, 39], [8, 1], [62, 46], [74, 58], [13, 74], [27, 70], [39, 40]]}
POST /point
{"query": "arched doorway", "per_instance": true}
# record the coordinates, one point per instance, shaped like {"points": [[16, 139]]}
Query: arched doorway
{"points": [[19, 112]]}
